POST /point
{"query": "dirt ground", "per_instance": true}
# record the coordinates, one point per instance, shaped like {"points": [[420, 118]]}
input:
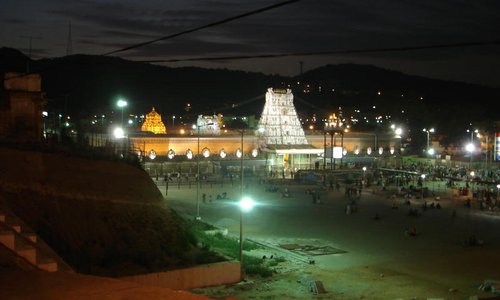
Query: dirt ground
{"points": [[432, 265], [292, 280]]}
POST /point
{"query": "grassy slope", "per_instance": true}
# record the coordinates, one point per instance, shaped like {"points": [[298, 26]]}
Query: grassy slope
{"points": [[66, 201]]}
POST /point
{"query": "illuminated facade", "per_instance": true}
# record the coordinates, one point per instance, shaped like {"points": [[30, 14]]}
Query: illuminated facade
{"points": [[279, 123], [153, 123], [209, 125]]}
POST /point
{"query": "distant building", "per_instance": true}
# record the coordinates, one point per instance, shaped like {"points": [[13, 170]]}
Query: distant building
{"points": [[21, 107], [209, 125], [153, 123]]}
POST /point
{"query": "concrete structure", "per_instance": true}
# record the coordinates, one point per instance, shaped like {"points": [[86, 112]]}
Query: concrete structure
{"points": [[21, 108], [353, 142], [190, 278], [24, 243]]}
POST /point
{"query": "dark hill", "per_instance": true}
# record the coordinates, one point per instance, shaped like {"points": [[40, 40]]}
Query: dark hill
{"points": [[93, 83], [12, 60], [84, 85]]}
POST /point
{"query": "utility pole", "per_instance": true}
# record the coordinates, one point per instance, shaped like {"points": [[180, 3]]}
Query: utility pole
{"points": [[69, 45], [30, 39]]}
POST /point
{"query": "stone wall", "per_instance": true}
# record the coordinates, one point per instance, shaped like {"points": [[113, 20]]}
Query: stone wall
{"points": [[190, 278]]}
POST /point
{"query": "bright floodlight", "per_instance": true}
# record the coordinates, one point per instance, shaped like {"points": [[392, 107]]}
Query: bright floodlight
{"points": [[170, 154], [423, 176], [246, 204], [364, 169], [431, 151], [399, 131], [498, 186], [205, 152], [222, 153], [121, 103], [239, 154], [470, 147], [472, 173], [431, 130], [119, 133]]}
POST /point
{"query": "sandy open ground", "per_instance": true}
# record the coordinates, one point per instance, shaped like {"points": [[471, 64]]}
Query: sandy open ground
{"points": [[379, 262]]}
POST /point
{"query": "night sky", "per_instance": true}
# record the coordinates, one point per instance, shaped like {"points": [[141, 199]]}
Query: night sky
{"points": [[100, 26]]}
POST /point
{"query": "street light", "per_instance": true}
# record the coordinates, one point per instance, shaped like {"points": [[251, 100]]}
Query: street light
{"points": [[206, 154], [198, 174], [118, 133], [486, 151], [470, 147], [121, 104], [246, 204], [423, 180], [428, 131]]}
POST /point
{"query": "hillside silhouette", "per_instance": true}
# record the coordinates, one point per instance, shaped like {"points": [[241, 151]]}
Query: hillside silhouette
{"points": [[83, 85]]}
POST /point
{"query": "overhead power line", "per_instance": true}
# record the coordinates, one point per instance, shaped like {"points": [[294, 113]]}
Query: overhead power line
{"points": [[232, 106], [227, 20], [334, 52]]}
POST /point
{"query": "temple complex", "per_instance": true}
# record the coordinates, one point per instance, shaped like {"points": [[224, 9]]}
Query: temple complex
{"points": [[278, 143], [153, 123]]}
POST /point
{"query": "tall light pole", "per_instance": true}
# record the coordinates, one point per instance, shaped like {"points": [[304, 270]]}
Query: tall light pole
{"points": [[198, 174], [428, 131], [470, 147], [246, 204], [423, 180], [121, 104], [241, 163]]}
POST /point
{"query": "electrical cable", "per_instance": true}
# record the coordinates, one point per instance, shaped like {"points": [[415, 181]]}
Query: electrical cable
{"points": [[227, 20], [334, 52]]}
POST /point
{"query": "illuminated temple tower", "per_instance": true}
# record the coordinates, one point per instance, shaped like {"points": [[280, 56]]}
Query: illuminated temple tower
{"points": [[279, 120], [153, 123]]}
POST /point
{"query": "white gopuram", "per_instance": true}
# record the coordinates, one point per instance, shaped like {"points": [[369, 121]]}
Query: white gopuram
{"points": [[279, 123]]}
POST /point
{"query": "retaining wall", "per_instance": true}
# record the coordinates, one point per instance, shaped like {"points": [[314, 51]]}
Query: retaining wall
{"points": [[190, 278]]}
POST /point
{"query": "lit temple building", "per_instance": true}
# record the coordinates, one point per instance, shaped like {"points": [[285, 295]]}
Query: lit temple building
{"points": [[153, 123], [279, 122], [278, 143]]}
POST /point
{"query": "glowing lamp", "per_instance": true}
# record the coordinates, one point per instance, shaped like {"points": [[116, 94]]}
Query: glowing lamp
{"points": [[246, 204]]}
